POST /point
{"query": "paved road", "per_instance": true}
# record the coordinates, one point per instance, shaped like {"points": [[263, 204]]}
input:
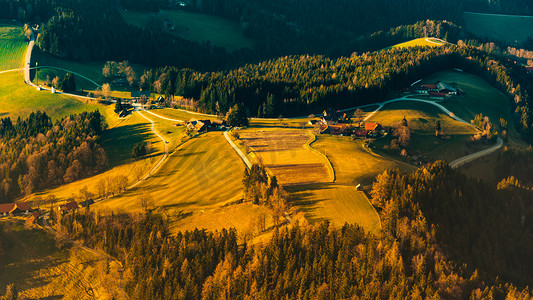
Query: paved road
{"points": [[466, 159], [27, 61], [103, 255]]}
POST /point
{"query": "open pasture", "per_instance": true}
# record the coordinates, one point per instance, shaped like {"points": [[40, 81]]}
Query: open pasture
{"points": [[340, 202], [18, 99], [432, 42], [193, 26], [500, 27], [202, 173], [287, 154], [13, 45]]}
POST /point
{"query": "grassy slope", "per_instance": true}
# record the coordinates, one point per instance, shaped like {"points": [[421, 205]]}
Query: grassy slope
{"points": [[42, 268], [19, 99], [421, 118], [417, 42], [192, 186], [340, 202], [12, 46], [118, 143], [196, 27], [479, 97], [500, 27]]}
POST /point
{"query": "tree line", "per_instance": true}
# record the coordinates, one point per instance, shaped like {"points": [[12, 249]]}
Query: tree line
{"points": [[439, 240], [38, 153]]}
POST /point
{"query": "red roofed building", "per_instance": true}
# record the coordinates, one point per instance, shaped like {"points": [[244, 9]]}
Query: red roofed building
{"points": [[529, 69], [14, 208], [360, 133], [71, 206], [371, 126], [33, 218], [337, 129]]}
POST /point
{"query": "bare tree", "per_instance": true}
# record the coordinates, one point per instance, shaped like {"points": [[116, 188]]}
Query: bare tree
{"points": [[106, 90]]}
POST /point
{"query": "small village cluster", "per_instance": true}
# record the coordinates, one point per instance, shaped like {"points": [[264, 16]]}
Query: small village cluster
{"points": [[23, 209], [339, 123]]}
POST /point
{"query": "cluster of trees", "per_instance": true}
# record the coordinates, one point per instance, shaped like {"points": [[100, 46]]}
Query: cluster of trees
{"points": [[444, 236], [259, 188], [37, 153], [517, 162], [139, 150], [113, 69], [487, 130], [402, 135], [486, 228], [237, 116]]}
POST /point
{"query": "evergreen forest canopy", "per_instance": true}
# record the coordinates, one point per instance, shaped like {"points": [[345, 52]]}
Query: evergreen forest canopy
{"points": [[78, 29], [440, 239], [37, 153], [299, 85]]}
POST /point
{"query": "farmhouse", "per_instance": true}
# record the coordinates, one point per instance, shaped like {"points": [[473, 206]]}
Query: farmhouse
{"points": [[68, 207], [360, 133], [435, 90], [33, 218], [14, 208]]}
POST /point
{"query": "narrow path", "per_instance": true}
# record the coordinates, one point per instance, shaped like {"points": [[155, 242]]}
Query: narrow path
{"points": [[68, 71], [162, 160], [103, 255], [164, 118], [239, 152]]}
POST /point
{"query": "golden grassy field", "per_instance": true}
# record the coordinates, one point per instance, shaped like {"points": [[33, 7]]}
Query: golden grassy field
{"points": [[285, 153], [199, 177], [340, 202], [418, 42], [42, 268]]}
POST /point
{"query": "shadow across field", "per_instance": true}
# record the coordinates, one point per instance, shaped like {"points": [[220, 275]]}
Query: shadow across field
{"points": [[118, 142]]}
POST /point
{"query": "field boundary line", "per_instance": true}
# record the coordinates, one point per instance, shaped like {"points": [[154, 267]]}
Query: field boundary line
{"points": [[329, 164]]}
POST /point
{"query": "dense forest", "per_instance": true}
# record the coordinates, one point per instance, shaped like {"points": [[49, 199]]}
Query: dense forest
{"points": [[443, 237], [299, 85], [37, 153]]}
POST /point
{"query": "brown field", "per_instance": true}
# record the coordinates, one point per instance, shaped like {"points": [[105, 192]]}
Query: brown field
{"points": [[287, 154]]}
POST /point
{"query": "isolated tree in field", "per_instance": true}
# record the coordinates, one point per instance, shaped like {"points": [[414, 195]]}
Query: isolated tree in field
{"points": [[237, 116], [146, 201], [118, 106], [438, 128], [139, 150], [69, 83], [106, 90], [359, 114]]}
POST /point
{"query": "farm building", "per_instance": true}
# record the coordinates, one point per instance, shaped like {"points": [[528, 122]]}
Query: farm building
{"points": [[337, 129], [68, 207], [360, 133], [14, 208], [33, 218], [529, 69], [437, 95], [369, 126], [434, 89]]}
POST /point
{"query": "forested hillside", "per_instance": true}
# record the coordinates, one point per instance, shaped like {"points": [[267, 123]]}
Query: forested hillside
{"points": [[299, 85], [434, 221], [37, 153]]}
